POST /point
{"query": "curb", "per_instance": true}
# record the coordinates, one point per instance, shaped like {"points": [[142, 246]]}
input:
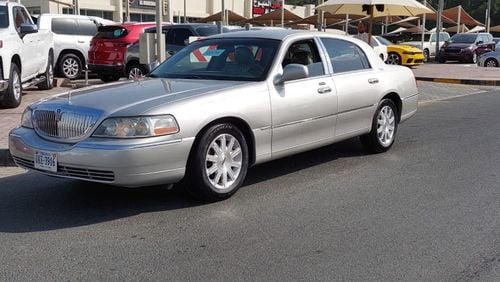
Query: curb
{"points": [[461, 81], [6, 158]]}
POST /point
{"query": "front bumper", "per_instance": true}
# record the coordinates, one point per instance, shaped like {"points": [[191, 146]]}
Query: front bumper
{"points": [[413, 59], [106, 161], [463, 55]]}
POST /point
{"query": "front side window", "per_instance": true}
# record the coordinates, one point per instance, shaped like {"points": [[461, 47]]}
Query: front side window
{"points": [[345, 56], [305, 53], [238, 59], [20, 18]]}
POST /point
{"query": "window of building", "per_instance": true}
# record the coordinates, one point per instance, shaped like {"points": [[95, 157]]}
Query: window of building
{"points": [[87, 12]]}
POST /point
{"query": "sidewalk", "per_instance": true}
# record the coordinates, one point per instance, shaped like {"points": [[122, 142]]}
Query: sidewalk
{"points": [[457, 73]]}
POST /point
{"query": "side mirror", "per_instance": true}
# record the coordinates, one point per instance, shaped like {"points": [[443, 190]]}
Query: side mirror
{"points": [[28, 28], [479, 42], [293, 72]]}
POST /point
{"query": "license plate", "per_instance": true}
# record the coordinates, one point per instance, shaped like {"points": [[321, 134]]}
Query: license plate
{"points": [[46, 160]]}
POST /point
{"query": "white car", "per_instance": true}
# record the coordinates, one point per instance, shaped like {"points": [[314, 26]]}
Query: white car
{"points": [[429, 47], [379, 48], [72, 35], [26, 54]]}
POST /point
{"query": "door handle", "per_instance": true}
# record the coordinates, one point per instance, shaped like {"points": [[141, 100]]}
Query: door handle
{"points": [[323, 90], [373, 80], [80, 41]]}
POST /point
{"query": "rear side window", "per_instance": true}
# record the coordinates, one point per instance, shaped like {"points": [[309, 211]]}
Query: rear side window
{"points": [[86, 27], [345, 56], [111, 32], [64, 26]]}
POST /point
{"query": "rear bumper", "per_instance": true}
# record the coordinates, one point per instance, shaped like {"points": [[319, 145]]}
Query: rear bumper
{"points": [[108, 69]]}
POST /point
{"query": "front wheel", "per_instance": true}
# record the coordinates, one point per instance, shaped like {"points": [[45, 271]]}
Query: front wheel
{"points": [[491, 63], [384, 127], [427, 56], [48, 83], [393, 59], [474, 58], [218, 163], [13, 95]]}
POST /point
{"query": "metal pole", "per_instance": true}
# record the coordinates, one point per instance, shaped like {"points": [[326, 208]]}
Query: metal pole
{"points": [[282, 13], [223, 12], [423, 27], [459, 18], [438, 26], [185, 17], [160, 54], [321, 15], [488, 20], [347, 24], [127, 10], [76, 7]]}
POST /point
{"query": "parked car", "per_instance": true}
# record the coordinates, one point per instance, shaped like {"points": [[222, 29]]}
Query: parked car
{"points": [[466, 47], [429, 47], [399, 54], [208, 121], [489, 59], [26, 54], [72, 35], [176, 36], [379, 48]]}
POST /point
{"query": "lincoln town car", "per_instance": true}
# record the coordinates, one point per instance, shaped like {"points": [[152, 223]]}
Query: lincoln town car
{"points": [[217, 107]]}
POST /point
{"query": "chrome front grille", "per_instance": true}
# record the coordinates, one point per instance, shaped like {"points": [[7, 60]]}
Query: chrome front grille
{"points": [[62, 125], [73, 172]]}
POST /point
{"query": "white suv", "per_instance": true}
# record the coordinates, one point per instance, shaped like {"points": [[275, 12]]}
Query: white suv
{"points": [[72, 35]]}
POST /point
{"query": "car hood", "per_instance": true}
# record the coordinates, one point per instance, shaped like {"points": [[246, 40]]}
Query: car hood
{"points": [[459, 45], [404, 48], [135, 97], [413, 43]]}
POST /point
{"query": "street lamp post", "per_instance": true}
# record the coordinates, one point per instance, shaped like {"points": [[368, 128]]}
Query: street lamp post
{"points": [[282, 13], [488, 16], [185, 16], [423, 28], [438, 26]]}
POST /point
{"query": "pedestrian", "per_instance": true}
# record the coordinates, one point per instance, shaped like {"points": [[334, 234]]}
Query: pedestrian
{"points": [[362, 35]]}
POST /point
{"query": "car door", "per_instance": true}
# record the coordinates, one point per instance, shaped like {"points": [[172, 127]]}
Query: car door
{"points": [[87, 28], [357, 86], [303, 110], [29, 49]]}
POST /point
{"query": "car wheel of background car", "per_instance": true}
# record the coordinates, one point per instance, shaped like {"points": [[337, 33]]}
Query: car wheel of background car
{"points": [[135, 71], [49, 76], [13, 95], [427, 56], [441, 59], [70, 66], [218, 163], [474, 58], [491, 63], [384, 127], [108, 77], [393, 59]]}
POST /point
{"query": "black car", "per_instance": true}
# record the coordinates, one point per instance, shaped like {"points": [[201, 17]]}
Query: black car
{"points": [[177, 37], [466, 47]]}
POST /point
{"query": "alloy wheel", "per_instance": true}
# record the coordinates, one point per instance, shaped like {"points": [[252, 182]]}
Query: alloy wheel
{"points": [[16, 85], [491, 63], [223, 161], [70, 67], [393, 59], [386, 124], [135, 73]]}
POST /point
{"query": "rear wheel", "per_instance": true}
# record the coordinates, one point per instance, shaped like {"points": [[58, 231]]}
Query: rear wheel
{"points": [[427, 56], [491, 63], [13, 95], [384, 127], [135, 71], [70, 66], [49, 76], [218, 163], [393, 59]]}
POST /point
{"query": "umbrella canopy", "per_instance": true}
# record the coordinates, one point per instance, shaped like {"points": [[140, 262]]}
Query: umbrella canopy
{"points": [[495, 28], [232, 17], [382, 7], [275, 17], [398, 30], [463, 28], [465, 18], [477, 28], [329, 19]]}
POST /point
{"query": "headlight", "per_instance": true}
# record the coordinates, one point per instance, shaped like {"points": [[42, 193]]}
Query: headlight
{"points": [[137, 127], [26, 119]]}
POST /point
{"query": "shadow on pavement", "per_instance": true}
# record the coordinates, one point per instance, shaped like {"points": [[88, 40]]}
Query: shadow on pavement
{"points": [[30, 202]]}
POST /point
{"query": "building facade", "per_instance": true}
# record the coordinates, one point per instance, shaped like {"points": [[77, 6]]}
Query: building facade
{"points": [[145, 10]]}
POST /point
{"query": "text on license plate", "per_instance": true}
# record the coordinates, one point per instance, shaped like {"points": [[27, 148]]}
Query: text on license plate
{"points": [[46, 160]]}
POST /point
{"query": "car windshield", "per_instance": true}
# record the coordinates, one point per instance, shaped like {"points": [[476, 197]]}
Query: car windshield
{"points": [[463, 38], [240, 59], [4, 17], [384, 41]]}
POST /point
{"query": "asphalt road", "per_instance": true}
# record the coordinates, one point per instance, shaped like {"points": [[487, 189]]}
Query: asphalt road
{"points": [[427, 210]]}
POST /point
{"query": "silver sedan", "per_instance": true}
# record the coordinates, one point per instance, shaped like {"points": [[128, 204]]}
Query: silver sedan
{"points": [[489, 59], [217, 107]]}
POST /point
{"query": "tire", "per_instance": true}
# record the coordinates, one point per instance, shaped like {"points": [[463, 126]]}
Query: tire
{"points": [[70, 66], [427, 56], [393, 59], [49, 76], [207, 175], [135, 71], [13, 95], [108, 77], [441, 59], [491, 63], [379, 142]]}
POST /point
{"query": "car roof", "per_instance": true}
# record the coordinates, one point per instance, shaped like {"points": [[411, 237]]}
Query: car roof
{"points": [[277, 34], [65, 16]]}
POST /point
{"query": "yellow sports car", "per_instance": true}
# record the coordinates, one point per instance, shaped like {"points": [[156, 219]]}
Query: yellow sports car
{"points": [[402, 54]]}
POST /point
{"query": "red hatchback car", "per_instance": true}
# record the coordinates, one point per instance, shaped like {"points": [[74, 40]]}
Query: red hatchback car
{"points": [[108, 48]]}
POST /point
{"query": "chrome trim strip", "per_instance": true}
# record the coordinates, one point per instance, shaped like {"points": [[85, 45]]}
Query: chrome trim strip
{"points": [[409, 97], [128, 147], [302, 121], [356, 109]]}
